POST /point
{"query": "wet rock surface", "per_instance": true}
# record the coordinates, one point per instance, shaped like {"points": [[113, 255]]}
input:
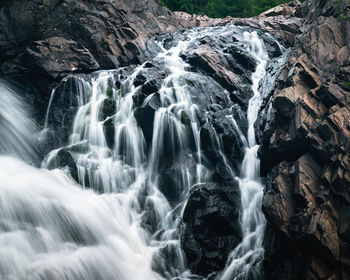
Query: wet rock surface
{"points": [[220, 94], [305, 151], [207, 246]]}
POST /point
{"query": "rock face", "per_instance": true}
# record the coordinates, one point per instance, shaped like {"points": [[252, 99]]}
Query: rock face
{"points": [[43, 41], [305, 151], [211, 230], [283, 21]]}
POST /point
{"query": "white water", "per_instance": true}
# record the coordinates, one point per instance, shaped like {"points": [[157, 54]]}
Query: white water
{"points": [[53, 228], [17, 131], [128, 168], [50, 228], [245, 260]]}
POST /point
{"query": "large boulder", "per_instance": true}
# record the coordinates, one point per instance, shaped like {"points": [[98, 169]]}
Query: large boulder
{"points": [[212, 226]]}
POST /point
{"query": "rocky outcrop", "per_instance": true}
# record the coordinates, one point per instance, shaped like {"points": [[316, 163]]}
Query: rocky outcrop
{"points": [[43, 41], [207, 246], [305, 151], [283, 21]]}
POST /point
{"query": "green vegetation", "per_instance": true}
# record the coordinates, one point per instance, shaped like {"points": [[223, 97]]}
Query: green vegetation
{"points": [[106, 44], [222, 8], [344, 16]]}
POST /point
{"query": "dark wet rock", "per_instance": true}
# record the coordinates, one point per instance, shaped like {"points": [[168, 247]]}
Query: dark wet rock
{"points": [[150, 87], [215, 109], [207, 246], [140, 79], [145, 116], [172, 189], [149, 79], [108, 108], [64, 159], [303, 127], [231, 68], [109, 131], [242, 58], [64, 106], [68, 96], [210, 63]]}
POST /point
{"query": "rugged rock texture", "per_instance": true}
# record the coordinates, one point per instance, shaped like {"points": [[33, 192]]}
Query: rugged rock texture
{"points": [[212, 212], [305, 151], [211, 222], [207, 246], [284, 21], [43, 41]]}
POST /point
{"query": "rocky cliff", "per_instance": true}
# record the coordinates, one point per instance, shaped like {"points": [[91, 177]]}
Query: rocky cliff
{"points": [[305, 151], [303, 129]]}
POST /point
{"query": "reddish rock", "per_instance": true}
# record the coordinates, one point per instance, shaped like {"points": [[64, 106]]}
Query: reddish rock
{"points": [[51, 39], [282, 21], [306, 158]]}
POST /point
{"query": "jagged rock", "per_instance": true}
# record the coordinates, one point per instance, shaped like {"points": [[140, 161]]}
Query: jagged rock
{"points": [[305, 151], [109, 132], [168, 183], [150, 80], [304, 127], [283, 21], [206, 246], [53, 39], [284, 103], [108, 108], [296, 204], [210, 62], [64, 106], [231, 67]]}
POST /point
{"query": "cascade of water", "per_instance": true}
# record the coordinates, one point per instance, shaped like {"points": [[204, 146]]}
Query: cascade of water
{"points": [[48, 108], [130, 230], [107, 170], [52, 229], [17, 131], [126, 167], [244, 261]]}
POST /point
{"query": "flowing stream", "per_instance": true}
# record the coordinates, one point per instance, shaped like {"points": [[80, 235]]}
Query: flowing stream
{"points": [[246, 258], [110, 218]]}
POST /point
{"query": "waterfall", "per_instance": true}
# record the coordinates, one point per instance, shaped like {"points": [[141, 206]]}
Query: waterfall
{"points": [[50, 228], [245, 260], [17, 131], [109, 204]]}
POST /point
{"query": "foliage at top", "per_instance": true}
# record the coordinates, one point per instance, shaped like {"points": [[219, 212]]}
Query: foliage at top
{"points": [[222, 8]]}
